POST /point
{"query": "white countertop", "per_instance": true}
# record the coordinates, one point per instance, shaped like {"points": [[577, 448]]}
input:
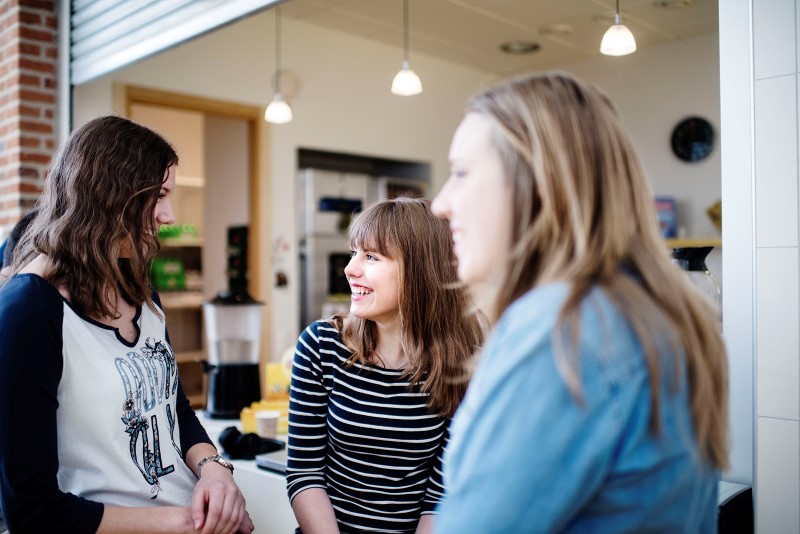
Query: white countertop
{"points": [[264, 491]]}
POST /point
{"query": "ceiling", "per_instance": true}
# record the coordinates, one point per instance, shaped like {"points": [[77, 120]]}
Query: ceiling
{"points": [[470, 32]]}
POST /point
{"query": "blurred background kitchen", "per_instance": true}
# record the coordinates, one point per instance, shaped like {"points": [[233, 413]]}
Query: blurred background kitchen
{"points": [[202, 73]]}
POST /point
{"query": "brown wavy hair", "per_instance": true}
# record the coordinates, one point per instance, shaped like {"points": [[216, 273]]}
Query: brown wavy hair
{"points": [[99, 198], [582, 212], [439, 333]]}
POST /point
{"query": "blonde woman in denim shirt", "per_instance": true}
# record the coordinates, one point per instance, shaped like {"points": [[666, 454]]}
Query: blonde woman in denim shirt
{"points": [[599, 401]]}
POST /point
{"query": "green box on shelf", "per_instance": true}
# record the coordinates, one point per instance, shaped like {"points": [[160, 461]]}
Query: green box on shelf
{"points": [[168, 274]]}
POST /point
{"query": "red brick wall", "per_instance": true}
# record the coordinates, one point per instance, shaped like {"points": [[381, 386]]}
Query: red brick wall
{"points": [[28, 54]]}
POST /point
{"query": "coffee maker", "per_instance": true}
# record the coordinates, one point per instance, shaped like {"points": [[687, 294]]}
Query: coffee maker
{"points": [[693, 261], [233, 337]]}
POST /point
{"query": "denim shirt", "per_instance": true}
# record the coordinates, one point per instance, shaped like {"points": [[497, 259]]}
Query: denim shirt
{"points": [[525, 456]]}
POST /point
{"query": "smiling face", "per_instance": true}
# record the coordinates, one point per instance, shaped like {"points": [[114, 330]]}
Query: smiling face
{"points": [[477, 200], [374, 282]]}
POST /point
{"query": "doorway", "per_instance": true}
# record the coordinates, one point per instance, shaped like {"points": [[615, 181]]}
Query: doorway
{"points": [[216, 188]]}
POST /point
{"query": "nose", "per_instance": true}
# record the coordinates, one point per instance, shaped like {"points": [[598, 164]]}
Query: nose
{"points": [[441, 204], [352, 269], [164, 213]]}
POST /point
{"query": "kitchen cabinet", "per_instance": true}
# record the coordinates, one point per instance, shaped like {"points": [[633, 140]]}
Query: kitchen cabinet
{"points": [[184, 313]]}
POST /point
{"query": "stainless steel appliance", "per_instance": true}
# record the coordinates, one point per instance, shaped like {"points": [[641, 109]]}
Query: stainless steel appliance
{"points": [[328, 201]]}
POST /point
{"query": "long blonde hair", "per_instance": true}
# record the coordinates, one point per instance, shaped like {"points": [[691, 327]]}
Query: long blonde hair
{"points": [[582, 212], [438, 334]]}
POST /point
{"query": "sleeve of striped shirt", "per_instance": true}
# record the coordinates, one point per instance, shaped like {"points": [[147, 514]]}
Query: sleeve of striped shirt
{"points": [[434, 492], [308, 410]]}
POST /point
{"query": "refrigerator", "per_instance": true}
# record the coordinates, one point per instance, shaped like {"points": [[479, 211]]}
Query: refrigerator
{"points": [[327, 202]]}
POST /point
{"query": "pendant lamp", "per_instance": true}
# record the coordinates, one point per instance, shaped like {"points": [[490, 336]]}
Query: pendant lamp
{"points": [[278, 111], [618, 40], [406, 82]]}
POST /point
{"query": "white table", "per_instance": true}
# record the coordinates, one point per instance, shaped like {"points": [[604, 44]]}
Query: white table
{"points": [[265, 491]]}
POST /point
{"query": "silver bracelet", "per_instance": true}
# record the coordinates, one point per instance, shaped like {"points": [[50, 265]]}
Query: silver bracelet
{"points": [[216, 458]]}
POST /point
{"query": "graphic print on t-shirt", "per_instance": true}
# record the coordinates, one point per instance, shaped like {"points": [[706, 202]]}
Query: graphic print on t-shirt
{"points": [[150, 379]]}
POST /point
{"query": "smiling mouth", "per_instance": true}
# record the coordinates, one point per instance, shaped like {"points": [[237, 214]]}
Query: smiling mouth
{"points": [[360, 291]]}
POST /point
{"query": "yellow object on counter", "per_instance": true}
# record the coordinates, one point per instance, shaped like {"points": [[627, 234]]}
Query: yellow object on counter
{"points": [[279, 378], [248, 415]]}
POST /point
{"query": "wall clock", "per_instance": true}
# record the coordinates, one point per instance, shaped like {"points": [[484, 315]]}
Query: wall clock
{"points": [[692, 139]]}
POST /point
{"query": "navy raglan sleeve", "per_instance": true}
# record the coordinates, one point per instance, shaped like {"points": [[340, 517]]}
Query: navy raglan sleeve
{"points": [[192, 432], [31, 361]]}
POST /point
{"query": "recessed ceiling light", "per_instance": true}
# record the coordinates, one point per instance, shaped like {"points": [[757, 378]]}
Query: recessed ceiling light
{"points": [[519, 47]]}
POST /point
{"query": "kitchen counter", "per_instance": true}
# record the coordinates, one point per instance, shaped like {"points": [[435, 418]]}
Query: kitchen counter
{"points": [[264, 491]]}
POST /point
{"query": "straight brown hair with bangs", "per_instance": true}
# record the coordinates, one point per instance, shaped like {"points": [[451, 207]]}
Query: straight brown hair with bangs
{"points": [[583, 213], [98, 197], [439, 332]]}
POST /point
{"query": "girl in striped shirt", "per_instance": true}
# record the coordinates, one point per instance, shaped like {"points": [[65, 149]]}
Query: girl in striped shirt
{"points": [[373, 391]]}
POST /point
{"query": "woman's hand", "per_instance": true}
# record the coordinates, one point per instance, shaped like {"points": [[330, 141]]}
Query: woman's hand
{"points": [[218, 506], [246, 526]]}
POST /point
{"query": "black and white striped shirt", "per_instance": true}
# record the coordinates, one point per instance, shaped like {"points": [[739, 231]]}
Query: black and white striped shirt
{"points": [[362, 434]]}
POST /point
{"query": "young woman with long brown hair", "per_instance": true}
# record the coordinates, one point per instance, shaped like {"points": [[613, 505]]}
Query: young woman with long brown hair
{"points": [[599, 403], [96, 434], [373, 391]]}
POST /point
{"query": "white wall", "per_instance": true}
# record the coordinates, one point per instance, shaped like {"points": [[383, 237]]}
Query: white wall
{"points": [[760, 181], [736, 83], [344, 104], [654, 89], [226, 204]]}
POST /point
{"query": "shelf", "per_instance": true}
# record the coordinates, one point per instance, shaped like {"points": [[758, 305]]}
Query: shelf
{"points": [[186, 356], [175, 300], [182, 241], [697, 242], [190, 181]]}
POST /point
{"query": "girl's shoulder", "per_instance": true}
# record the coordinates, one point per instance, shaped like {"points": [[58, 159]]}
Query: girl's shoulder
{"points": [[534, 312], [29, 305], [603, 338], [323, 338], [28, 291], [323, 331]]}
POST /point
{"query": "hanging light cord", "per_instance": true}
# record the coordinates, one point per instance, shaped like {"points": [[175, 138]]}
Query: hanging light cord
{"points": [[278, 51], [405, 33], [617, 18]]}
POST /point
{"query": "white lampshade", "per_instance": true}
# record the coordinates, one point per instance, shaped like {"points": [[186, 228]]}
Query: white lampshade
{"points": [[278, 111], [618, 40], [406, 82]]}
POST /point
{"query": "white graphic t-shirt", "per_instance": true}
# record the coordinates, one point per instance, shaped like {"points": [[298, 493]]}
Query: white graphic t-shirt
{"points": [[86, 417]]}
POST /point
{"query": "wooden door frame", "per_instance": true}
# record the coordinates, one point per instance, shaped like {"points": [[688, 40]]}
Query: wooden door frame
{"points": [[130, 95], [125, 96]]}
